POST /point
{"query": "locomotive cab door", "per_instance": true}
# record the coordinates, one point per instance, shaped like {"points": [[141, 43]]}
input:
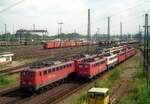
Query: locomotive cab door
{"points": [[40, 80]]}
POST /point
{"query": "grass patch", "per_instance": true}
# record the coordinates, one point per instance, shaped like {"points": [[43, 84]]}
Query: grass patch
{"points": [[109, 80], [141, 91], [9, 81], [4, 81]]}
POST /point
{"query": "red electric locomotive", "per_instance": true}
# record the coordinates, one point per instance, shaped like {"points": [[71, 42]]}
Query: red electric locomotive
{"points": [[86, 57], [91, 67], [36, 77]]}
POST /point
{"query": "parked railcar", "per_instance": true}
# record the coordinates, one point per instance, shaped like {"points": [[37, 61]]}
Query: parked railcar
{"points": [[50, 45], [91, 67], [120, 52], [78, 61], [130, 52], [111, 60], [121, 56], [36, 77]]}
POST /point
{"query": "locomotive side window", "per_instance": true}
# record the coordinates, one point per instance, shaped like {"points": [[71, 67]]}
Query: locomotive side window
{"points": [[32, 74], [67, 65], [61, 67], [49, 71], [53, 69], [46, 72], [57, 68]]}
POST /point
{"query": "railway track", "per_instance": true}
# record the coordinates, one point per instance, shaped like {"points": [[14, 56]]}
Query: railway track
{"points": [[20, 68], [38, 52], [55, 55]]}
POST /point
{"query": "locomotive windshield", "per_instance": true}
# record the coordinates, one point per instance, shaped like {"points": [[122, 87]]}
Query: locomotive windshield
{"points": [[83, 66], [28, 74]]}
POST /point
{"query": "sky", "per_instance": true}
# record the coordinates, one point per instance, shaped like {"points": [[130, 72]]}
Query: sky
{"points": [[46, 14]]}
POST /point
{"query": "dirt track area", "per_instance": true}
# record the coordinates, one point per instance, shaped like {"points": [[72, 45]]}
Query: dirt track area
{"points": [[124, 86]]}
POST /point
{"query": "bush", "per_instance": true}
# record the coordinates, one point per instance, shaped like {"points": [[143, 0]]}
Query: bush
{"points": [[4, 80]]}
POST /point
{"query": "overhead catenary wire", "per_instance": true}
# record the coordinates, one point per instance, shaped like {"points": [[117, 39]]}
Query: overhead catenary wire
{"points": [[11, 6], [123, 11]]}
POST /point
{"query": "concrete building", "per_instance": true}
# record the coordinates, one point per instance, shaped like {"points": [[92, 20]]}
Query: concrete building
{"points": [[6, 58]]}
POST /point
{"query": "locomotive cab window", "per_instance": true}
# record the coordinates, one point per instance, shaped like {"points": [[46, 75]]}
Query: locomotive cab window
{"points": [[46, 72], [65, 66], [61, 67], [49, 71], [28, 74], [57, 68]]}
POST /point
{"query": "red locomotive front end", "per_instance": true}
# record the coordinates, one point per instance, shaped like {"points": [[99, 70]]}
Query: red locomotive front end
{"points": [[91, 67], [29, 80]]}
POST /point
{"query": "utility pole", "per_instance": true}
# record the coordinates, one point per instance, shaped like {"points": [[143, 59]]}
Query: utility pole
{"points": [[34, 27], [120, 30], [108, 31], [6, 38], [13, 29], [58, 31], [140, 35], [146, 50], [5, 28], [89, 32]]}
